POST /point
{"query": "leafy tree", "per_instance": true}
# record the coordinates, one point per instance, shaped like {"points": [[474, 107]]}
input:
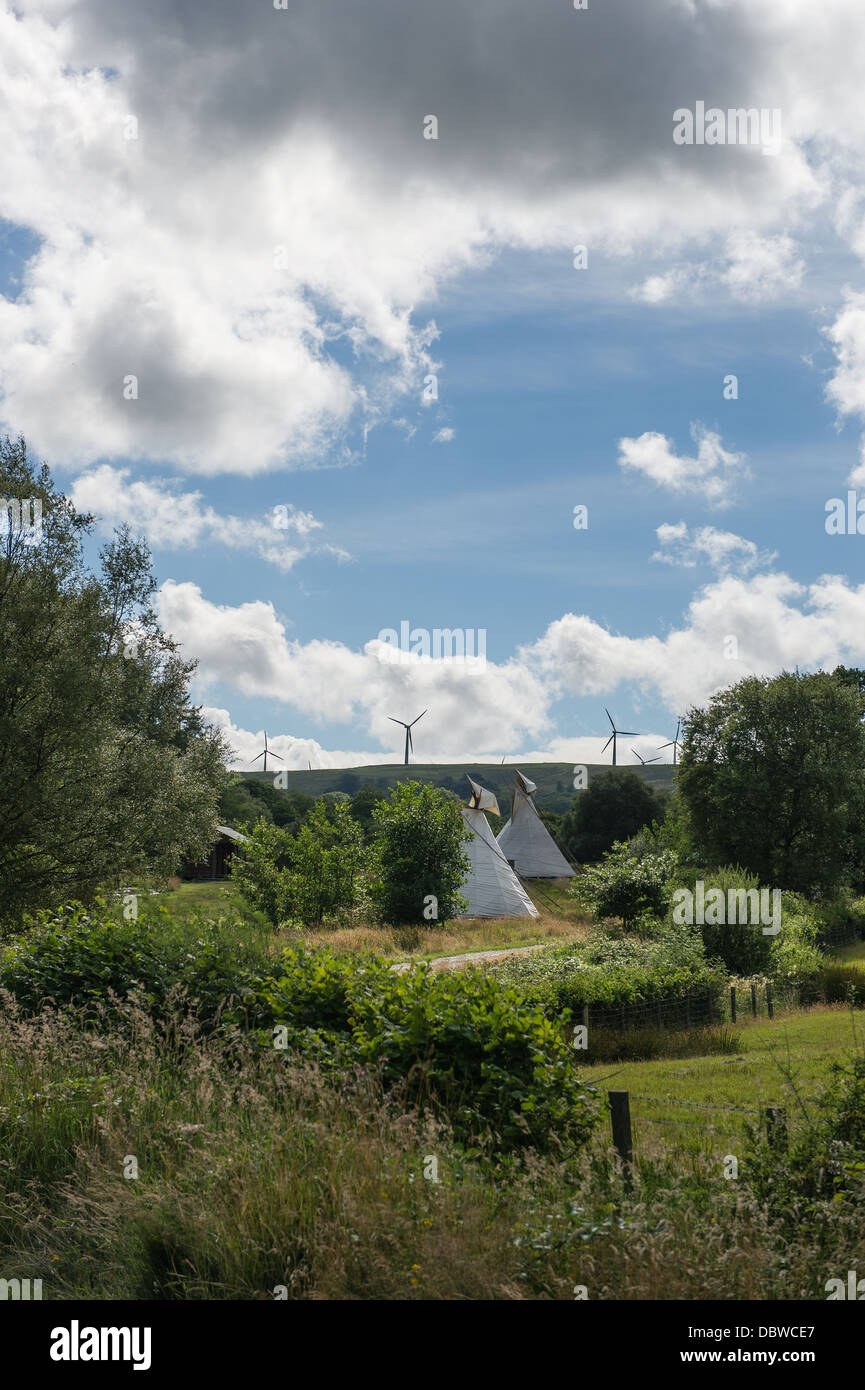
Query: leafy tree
{"points": [[419, 854], [625, 886], [363, 804], [238, 807], [614, 806], [260, 868], [106, 768], [771, 777], [328, 858], [311, 877]]}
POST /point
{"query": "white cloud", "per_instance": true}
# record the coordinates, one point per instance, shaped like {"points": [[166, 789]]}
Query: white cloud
{"points": [[733, 627], [444, 435], [246, 648], [173, 520], [711, 474], [708, 546], [279, 200], [762, 267]]}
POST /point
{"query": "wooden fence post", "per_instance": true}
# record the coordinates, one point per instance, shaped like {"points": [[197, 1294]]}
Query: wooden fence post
{"points": [[754, 1000], [733, 1003], [620, 1119], [769, 1004], [776, 1126]]}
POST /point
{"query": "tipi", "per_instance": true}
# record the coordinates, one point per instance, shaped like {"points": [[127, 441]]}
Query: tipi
{"points": [[492, 888], [527, 842]]}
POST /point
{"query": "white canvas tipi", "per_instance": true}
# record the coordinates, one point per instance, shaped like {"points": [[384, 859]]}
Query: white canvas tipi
{"points": [[491, 888], [527, 842]]}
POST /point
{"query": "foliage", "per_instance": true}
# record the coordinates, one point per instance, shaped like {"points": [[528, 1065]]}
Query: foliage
{"points": [[771, 778], [741, 945], [463, 1044], [625, 886], [607, 972], [105, 766], [418, 854], [311, 877], [614, 806], [824, 1164], [84, 957]]}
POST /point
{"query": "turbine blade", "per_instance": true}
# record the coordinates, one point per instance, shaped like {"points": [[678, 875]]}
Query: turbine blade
{"points": [[420, 716], [609, 716], [607, 744]]}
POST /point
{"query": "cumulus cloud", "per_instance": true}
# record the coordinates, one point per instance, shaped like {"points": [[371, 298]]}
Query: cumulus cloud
{"points": [[247, 648], [706, 545], [236, 206], [762, 267], [711, 474], [733, 627], [175, 520]]}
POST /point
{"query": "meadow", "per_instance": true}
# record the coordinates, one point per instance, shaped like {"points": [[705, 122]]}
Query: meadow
{"points": [[155, 1144]]}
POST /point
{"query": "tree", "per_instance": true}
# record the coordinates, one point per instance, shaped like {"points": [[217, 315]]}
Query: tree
{"points": [[420, 863], [614, 806], [625, 886], [312, 877], [106, 768], [771, 778]]}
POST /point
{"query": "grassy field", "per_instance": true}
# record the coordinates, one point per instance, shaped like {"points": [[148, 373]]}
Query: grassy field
{"points": [[782, 1063], [560, 919]]}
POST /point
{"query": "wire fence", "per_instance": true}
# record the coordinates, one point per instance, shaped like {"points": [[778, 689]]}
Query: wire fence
{"points": [[773, 1117]]}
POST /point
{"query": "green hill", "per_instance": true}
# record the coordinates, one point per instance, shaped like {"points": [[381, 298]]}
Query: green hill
{"points": [[555, 780]]}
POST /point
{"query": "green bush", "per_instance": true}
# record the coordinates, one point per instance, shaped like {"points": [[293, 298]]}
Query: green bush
{"points": [[626, 886], [419, 856], [311, 877], [794, 956], [463, 1044], [83, 957], [608, 973], [742, 946]]}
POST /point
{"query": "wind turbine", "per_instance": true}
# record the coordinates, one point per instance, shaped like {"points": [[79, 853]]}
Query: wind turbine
{"points": [[265, 752], [409, 745], [642, 759], [617, 733], [674, 742]]}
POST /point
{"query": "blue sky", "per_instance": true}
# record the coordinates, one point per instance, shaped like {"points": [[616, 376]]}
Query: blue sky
{"points": [[456, 513]]}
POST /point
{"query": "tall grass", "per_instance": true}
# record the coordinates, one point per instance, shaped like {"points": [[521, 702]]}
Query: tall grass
{"points": [[254, 1175]]}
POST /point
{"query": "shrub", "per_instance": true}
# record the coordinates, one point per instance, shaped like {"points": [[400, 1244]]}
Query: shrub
{"points": [[608, 974], [418, 855], [625, 886], [84, 957], [311, 877], [794, 956], [465, 1045], [742, 946]]}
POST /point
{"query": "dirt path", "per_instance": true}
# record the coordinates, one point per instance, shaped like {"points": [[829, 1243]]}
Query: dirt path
{"points": [[454, 962]]}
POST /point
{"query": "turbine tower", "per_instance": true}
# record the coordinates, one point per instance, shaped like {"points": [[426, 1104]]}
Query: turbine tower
{"points": [[264, 753], [674, 742], [409, 745], [617, 733]]}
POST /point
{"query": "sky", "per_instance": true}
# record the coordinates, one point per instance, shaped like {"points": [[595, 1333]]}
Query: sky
{"points": [[349, 310]]}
